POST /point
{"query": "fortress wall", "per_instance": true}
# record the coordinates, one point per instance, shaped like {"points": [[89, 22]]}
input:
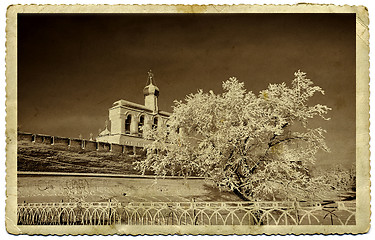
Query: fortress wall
{"points": [[104, 147], [25, 137], [139, 151], [61, 141], [80, 144], [117, 148], [48, 139], [129, 150], [90, 145], [38, 138], [75, 144], [44, 139]]}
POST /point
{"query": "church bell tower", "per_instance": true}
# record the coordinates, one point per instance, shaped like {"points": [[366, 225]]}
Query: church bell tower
{"points": [[151, 94]]}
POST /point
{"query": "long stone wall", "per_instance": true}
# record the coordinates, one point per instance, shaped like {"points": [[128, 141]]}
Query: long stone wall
{"points": [[76, 144]]}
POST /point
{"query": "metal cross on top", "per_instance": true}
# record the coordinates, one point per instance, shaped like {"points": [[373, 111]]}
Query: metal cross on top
{"points": [[150, 76]]}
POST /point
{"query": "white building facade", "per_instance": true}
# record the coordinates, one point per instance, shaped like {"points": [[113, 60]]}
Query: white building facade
{"points": [[127, 119]]}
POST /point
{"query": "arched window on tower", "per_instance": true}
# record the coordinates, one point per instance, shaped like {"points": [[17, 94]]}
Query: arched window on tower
{"points": [[141, 124], [155, 123], [127, 124]]}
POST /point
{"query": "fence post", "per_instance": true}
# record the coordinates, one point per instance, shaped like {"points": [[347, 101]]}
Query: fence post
{"points": [[296, 208], [193, 205], [109, 212]]}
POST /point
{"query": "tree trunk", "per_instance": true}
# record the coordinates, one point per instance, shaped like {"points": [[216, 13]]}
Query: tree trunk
{"points": [[255, 219], [241, 195]]}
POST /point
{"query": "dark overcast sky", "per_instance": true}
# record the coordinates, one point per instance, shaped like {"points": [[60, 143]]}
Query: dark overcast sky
{"points": [[72, 67]]}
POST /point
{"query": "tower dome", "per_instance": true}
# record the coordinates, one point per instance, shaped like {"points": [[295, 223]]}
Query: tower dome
{"points": [[151, 93]]}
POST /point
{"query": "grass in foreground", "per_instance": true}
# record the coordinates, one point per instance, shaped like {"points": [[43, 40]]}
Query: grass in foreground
{"points": [[47, 158]]}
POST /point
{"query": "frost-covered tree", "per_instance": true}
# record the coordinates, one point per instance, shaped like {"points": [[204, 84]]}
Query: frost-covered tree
{"points": [[259, 146], [338, 178]]}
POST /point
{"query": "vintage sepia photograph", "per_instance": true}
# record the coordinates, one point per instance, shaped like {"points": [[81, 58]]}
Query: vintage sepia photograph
{"points": [[176, 119]]}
